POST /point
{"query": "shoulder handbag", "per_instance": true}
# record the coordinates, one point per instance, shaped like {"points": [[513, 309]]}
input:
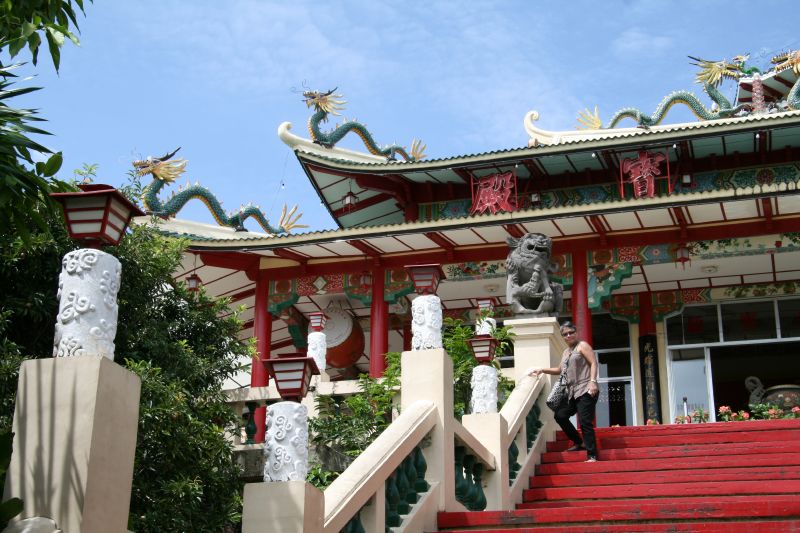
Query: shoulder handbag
{"points": [[558, 393]]}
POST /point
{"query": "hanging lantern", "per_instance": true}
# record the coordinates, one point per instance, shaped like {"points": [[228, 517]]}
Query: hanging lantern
{"points": [[98, 215], [317, 320], [682, 256], [365, 280], [193, 283], [292, 374], [349, 201], [425, 277], [483, 347]]}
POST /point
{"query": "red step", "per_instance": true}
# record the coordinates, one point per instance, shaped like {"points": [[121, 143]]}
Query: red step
{"points": [[728, 526], [680, 508], [649, 477], [701, 450], [700, 488], [789, 458], [720, 477], [714, 427], [680, 439]]}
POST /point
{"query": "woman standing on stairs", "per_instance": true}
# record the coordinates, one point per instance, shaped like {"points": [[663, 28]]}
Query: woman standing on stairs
{"points": [[580, 366]]}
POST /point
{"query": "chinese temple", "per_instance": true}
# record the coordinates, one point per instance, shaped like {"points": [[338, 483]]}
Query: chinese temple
{"points": [[677, 245]]}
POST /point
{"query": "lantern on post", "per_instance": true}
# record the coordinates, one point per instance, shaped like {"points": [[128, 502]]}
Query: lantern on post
{"points": [[317, 341], [426, 309], [292, 374], [317, 320], [425, 277], [483, 348], [97, 215], [286, 448]]}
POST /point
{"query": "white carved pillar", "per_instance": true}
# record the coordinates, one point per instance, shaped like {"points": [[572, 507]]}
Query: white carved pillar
{"points": [[318, 349], [426, 322], [484, 390], [485, 326], [286, 446], [86, 323]]}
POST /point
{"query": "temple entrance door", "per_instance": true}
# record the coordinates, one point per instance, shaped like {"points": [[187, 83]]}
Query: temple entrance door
{"points": [[616, 404], [689, 381]]}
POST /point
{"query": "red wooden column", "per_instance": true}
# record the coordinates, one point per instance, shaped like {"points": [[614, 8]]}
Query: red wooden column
{"points": [[647, 325], [262, 331], [581, 315], [379, 325]]}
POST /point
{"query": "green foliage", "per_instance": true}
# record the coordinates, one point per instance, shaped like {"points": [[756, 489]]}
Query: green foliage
{"points": [[319, 476], [23, 23], [367, 414], [185, 477], [24, 185], [455, 341]]}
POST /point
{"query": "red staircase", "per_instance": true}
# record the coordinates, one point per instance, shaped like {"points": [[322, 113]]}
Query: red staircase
{"points": [[721, 477]]}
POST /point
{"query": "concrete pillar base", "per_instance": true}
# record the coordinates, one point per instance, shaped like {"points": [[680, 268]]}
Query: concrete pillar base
{"points": [[284, 507], [74, 429]]}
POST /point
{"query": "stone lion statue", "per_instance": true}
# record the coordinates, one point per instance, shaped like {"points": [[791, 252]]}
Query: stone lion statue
{"points": [[528, 286]]}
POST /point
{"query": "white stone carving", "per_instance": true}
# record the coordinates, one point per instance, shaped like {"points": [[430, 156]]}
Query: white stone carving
{"points": [[286, 445], [86, 323], [37, 524], [318, 349], [485, 326], [426, 322], [484, 390]]}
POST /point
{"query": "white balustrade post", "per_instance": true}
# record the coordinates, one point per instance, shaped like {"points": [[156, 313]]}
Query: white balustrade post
{"points": [[484, 390], [286, 444], [428, 375], [491, 429], [426, 322]]}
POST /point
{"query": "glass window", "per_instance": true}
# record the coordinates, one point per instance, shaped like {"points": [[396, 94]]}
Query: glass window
{"points": [[789, 311], [688, 381], [614, 364], [608, 332], [696, 325], [747, 321]]}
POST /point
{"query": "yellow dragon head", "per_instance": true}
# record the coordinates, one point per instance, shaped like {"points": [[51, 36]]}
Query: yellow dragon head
{"points": [[162, 168]]}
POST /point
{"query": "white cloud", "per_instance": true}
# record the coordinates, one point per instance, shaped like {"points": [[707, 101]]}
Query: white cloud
{"points": [[637, 42]]}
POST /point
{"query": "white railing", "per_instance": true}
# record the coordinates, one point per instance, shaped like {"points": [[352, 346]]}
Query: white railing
{"points": [[465, 463]]}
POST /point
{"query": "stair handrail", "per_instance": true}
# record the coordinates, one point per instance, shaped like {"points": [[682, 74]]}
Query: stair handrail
{"points": [[366, 475], [477, 450], [520, 402]]}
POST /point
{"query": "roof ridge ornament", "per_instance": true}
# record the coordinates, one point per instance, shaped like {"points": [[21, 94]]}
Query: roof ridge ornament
{"points": [[165, 170], [330, 103], [783, 95]]}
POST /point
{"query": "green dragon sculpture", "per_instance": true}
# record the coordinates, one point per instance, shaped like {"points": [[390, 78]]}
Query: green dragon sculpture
{"points": [[165, 170], [329, 103], [710, 76]]}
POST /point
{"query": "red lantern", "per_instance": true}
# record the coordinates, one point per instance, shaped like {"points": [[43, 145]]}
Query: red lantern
{"points": [[193, 282], [485, 304], [682, 256], [483, 347], [425, 277], [317, 320], [99, 214], [292, 373]]}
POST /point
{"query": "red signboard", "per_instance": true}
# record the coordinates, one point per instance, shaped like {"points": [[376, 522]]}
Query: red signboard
{"points": [[497, 192], [642, 172]]}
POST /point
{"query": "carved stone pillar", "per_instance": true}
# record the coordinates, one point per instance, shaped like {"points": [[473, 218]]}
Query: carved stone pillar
{"points": [[86, 323], [484, 390], [286, 447], [318, 348], [426, 322]]}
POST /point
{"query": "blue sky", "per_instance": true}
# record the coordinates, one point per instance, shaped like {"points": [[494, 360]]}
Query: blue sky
{"points": [[217, 78]]}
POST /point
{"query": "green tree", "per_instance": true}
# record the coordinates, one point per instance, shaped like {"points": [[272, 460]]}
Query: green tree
{"points": [[185, 478], [24, 183]]}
